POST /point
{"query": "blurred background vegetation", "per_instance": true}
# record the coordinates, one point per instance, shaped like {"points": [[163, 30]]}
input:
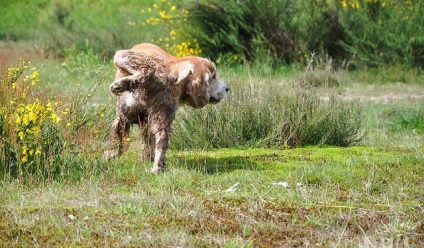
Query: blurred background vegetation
{"points": [[343, 33]]}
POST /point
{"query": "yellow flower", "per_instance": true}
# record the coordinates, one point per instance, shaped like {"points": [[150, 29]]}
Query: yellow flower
{"points": [[33, 117], [173, 8], [24, 150], [55, 118], [21, 135], [38, 152], [24, 159], [25, 120]]}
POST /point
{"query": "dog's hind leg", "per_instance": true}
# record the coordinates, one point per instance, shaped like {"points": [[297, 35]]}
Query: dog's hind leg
{"points": [[137, 66]]}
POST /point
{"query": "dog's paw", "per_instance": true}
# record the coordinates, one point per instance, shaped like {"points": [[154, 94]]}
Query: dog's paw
{"points": [[119, 86]]}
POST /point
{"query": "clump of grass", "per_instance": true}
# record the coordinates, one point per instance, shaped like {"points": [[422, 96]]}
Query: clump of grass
{"points": [[270, 113], [321, 78]]}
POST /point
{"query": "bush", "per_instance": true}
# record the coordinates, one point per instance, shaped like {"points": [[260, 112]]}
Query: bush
{"points": [[270, 113], [355, 33], [384, 32], [25, 117], [39, 135], [248, 29]]}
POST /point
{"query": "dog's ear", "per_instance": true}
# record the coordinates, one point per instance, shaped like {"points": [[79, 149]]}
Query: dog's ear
{"points": [[180, 71]]}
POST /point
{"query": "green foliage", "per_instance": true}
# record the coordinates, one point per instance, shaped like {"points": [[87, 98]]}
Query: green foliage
{"points": [[385, 33], [348, 33], [249, 29], [365, 33]]}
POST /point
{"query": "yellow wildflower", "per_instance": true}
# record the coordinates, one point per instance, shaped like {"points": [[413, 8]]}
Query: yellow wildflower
{"points": [[18, 119], [55, 117], [21, 135], [24, 150], [25, 120]]}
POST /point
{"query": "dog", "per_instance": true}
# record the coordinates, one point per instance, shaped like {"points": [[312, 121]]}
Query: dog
{"points": [[149, 86]]}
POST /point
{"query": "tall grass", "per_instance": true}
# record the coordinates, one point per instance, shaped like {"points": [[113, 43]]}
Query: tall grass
{"points": [[271, 113]]}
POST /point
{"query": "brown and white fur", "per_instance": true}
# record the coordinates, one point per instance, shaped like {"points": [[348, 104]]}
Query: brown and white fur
{"points": [[149, 85]]}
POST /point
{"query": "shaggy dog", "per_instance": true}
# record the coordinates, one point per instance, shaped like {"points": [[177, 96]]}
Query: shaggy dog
{"points": [[149, 85]]}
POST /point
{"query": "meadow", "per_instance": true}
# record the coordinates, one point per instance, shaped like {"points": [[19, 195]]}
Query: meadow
{"points": [[309, 149]]}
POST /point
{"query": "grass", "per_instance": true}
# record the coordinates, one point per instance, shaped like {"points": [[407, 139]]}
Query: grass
{"points": [[349, 197], [364, 195]]}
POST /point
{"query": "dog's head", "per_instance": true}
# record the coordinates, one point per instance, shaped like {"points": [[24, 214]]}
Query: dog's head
{"points": [[202, 85]]}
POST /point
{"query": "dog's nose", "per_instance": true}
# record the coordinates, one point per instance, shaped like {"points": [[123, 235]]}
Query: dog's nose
{"points": [[227, 89]]}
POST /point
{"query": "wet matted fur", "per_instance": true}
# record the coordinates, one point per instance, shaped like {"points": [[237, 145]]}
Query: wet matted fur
{"points": [[149, 85]]}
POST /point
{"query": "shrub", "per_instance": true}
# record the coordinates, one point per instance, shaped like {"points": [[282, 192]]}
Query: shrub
{"points": [[349, 32], [25, 117], [247, 29], [384, 32], [265, 113], [171, 25], [40, 135]]}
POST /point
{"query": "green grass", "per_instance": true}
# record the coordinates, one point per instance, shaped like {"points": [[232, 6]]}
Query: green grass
{"points": [[349, 197]]}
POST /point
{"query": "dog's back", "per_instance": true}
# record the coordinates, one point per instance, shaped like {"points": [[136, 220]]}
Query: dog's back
{"points": [[154, 51]]}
